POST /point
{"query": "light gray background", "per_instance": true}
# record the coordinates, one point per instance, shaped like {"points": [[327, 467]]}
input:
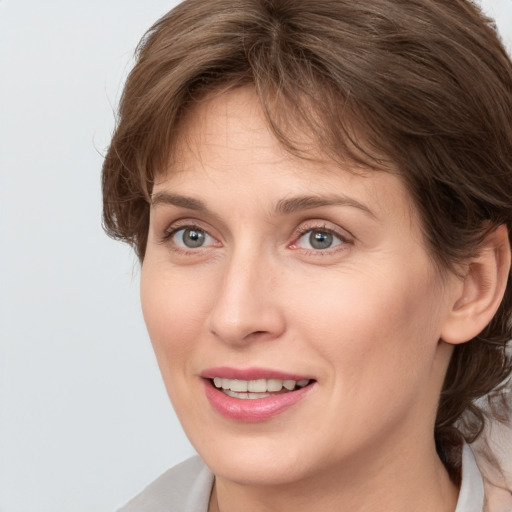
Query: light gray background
{"points": [[84, 419]]}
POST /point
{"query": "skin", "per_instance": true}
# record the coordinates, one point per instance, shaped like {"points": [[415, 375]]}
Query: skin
{"points": [[364, 317]]}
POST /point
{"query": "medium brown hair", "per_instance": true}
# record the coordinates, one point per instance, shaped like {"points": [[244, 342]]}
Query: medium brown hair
{"points": [[427, 82]]}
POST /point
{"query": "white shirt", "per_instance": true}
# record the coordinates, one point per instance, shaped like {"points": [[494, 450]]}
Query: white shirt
{"points": [[471, 494], [187, 487]]}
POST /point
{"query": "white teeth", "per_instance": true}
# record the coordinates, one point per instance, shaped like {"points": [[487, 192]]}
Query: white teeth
{"points": [[246, 396], [274, 385], [289, 384], [258, 386], [240, 386]]}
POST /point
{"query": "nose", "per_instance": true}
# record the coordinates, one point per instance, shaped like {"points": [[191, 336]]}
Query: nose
{"points": [[246, 307]]}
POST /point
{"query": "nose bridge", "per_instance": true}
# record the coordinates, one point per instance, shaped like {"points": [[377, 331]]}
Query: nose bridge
{"points": [[245, 304]]}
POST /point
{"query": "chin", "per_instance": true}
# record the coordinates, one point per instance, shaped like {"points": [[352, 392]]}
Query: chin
{"points": [[255, 469], [269, 456]]}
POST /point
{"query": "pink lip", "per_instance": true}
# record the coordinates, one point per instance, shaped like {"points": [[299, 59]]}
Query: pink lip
{"points": [[251, 410], [250, 374]]}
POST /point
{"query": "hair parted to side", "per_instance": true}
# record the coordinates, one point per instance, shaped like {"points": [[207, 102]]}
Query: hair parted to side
{"points": [[426, 84]]}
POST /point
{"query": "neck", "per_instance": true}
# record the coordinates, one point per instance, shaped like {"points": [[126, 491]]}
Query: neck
{"points": [[379, 482]]}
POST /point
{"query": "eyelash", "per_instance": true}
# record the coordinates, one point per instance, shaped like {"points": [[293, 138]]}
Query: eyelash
{"points": [[303, 230], [171, 232]]}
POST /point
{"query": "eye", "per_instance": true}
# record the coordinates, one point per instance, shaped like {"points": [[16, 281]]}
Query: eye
{"points": [[319, 239], [191, 237]]}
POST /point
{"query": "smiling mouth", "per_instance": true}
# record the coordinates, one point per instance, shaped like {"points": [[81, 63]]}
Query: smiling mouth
{"points": [[259, 388]]}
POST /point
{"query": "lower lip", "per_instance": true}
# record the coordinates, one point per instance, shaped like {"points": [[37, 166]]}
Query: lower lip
{"points": [[252, 410]]}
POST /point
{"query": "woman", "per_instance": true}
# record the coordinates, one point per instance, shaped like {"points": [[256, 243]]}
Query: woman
{"points": [[320, 193]]}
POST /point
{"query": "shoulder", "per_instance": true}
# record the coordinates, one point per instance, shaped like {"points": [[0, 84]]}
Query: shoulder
{"points": [[185, 487], [493, 453]]}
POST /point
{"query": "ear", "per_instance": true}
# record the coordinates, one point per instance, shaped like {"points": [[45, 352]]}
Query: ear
{"points": [[481, 291]]}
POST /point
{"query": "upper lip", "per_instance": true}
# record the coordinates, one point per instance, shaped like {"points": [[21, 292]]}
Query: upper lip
{"points": [[253, 373]]}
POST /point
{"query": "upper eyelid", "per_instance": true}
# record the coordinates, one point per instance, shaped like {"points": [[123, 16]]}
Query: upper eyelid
{"points": [[303, 230], [305, 227], [173, 229], [184, 223], [171, 213]]}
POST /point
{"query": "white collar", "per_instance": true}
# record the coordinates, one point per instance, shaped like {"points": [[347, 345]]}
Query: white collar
{"points": [[471, 495], [187, 488]]}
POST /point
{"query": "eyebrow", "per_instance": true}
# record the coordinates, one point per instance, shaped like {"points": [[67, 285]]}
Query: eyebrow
{"points": [[178, 200], [284, 206], [299, 203]]}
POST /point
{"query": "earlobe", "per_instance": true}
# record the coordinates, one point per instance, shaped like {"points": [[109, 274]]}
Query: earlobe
{"points": [[482, 289]]}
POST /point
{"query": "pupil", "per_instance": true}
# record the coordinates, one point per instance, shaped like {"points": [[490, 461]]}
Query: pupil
{"points": [[320, 240], [193, 238]]}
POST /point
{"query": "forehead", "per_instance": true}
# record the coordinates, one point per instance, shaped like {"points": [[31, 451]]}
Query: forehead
{"points": [[225, 144], [223, 129]]}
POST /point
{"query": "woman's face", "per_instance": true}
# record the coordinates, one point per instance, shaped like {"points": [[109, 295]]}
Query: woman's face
{"points": [[264, 272]]}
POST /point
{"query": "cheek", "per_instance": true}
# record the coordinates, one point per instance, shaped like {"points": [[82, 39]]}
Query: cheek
{"points": [[174, 312], [377, 331]]}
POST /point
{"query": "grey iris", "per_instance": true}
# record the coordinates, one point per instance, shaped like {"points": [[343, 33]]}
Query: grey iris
{"points": [[193, 238], [320, 239]]}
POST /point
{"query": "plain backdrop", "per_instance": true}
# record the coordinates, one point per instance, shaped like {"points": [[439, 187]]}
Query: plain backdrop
{"points": [[85, 422]]}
